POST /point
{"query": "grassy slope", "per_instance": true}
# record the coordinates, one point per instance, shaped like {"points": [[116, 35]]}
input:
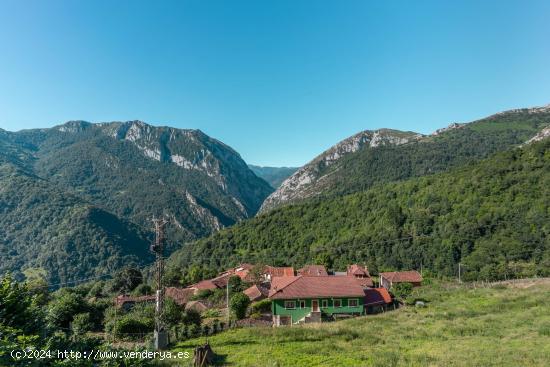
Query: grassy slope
{"points": [[499, 326]]}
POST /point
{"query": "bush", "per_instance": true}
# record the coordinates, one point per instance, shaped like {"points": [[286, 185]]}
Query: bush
{"points": [[192, 317], [131, 327], [402, 290], [172, 313], [143, 290], [238, 305], [262, 306], [82, 323]]}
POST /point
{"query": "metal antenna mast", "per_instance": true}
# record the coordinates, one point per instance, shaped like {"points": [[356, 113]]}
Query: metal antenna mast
{"points": [[157, 247]]}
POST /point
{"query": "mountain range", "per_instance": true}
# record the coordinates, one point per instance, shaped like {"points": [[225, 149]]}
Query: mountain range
{"points": [[76, 200], [127, 171], [385, 155]]}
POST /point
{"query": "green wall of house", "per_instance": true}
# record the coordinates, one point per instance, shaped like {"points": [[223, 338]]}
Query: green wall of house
{"points": [[278, 307]]}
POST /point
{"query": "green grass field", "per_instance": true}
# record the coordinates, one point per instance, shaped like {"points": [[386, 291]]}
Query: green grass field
{"points": [[460, 326]]}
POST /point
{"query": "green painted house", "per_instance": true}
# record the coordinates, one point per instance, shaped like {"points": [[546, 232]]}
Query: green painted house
{"points": [[304, 299]]}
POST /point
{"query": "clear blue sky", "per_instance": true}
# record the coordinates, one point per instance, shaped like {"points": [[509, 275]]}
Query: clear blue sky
{"points": [[280, 81]]}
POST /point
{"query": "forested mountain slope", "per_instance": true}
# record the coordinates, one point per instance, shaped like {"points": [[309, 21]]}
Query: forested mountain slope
{"points": [[91, 189], [372, 157], [492, 215], [47, 228]]}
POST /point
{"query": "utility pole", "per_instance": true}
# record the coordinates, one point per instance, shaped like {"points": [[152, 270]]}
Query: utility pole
{"points": [[157, 247], [459, 277]]}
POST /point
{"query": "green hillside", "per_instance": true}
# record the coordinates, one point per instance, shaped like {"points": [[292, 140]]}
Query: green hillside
{"points": [[46, 228], [493, 216], [460, 326], [450, 148]]}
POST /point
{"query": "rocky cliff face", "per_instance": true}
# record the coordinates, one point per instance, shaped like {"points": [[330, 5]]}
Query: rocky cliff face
{"points": [[304, 182], [372, 157], [137, 170]]}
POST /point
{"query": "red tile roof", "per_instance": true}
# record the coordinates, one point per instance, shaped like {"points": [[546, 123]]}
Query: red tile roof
{"points": [[313, 271], [204, 284], [180, 295], [377, 296], [403, 276], [256, 292], [197, 306], [358, 270], [319, 286], [365, 282], [279, 271]]}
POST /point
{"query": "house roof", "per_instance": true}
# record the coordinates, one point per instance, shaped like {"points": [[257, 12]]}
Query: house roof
{"points": [[204, 284], [365, 282], [196, 305], [313, 271], [180, 295], [256, 292], [358, 270], [411, 276], [279, 271], [318, 286], [377, 296]]}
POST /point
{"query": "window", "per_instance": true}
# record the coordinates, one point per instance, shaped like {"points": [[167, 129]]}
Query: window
{"points": [[337, 303], [302, 304], [324, 303], [290, 305], [353, 303]]}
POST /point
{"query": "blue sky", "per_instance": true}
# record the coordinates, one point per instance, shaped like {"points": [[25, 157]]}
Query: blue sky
{"points": [[279, 81]]}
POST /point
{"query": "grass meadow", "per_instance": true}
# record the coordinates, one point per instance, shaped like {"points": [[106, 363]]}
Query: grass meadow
{"points": [[503, 325]]}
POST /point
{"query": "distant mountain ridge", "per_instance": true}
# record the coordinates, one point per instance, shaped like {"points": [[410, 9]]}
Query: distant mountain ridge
{"points": [[273, 175], [384, 155], [130, 171]]}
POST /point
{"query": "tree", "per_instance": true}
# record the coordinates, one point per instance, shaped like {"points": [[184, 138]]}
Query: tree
{"points": [[402, 290], [143, 290], [172, 312], [126, 280], [325, 259], [235, 284], [192, 317], [63, 308], [239, 304], [82, 323]]}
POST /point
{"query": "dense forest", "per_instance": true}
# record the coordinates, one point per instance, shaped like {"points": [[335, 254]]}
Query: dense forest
{"points": [[493, 216], [76, 201]]}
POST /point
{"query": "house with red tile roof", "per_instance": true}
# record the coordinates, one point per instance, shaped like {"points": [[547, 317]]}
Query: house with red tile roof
{"points": [[302, 299], [127, 302], [361, 274], [388, 279], [273, 271], [256, 293], [313, 271], [180, 295], [377, 299]]}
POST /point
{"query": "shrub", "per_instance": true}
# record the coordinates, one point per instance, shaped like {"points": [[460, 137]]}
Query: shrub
{"points": [[262, 306], [82, 323], [192, 317], [402, 290], [239, 304]]}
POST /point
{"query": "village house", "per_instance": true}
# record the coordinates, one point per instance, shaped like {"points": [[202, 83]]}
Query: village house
{"points": [[387, 280], [256, 293], [376, 300], [271, 272], [313, 271], [303, 299], [361, 274]]}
